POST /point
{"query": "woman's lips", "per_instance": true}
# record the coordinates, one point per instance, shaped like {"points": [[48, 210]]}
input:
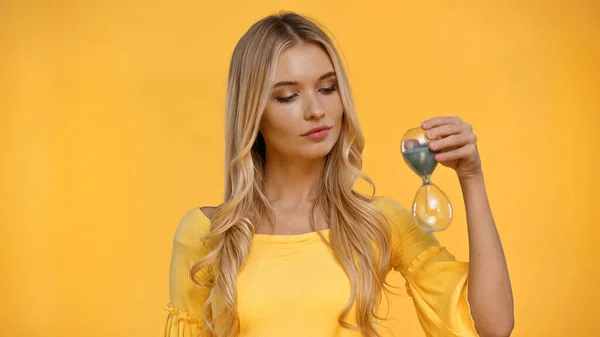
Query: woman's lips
{"points": [[321, 134]]}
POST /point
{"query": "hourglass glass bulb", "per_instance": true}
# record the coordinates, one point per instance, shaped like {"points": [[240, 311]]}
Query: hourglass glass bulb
{"points": [[416, 152], [431, 208]]}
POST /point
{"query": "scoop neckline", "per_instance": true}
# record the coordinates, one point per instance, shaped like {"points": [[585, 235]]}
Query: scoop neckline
{"points": [[278, 237]]}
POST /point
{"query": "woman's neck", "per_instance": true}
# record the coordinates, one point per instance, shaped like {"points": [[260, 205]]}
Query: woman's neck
{"points": [[292, 182]]}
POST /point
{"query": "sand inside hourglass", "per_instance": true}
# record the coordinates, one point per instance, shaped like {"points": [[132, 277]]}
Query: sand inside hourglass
{"points": [[420, 159]]}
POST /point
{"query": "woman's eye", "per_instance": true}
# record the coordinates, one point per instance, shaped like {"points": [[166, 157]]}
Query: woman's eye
{"points": [[329, 90], [286, 99]]}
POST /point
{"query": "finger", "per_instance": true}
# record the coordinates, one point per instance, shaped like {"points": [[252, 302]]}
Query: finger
{"points": [[437, 121], [452, 141], [411, 143], [448, 129], [462, 152]]}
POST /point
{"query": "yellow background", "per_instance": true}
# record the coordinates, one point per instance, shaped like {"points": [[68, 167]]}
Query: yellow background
{"points": [[111, 128]]}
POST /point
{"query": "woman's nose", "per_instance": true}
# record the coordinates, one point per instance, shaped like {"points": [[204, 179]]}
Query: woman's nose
{"points": [[314, 108]]}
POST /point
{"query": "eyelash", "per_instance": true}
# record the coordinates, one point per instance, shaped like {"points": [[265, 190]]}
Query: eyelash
{"points": [[326, 91]]}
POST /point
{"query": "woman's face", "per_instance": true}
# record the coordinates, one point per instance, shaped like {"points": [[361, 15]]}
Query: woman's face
{"points": [[305, 96]]}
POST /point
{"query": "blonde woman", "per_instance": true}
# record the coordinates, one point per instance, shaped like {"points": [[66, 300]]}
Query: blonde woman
{"points": [[293, 250]]}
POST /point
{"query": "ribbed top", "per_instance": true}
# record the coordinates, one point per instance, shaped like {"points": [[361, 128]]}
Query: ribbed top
{"points": [[292, 285]]}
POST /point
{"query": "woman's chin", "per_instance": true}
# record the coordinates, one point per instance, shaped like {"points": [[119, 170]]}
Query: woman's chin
{"points": [[317, 152]]}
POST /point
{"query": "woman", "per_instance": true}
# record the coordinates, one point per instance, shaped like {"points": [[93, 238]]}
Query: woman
{"points": [[293, 250]]}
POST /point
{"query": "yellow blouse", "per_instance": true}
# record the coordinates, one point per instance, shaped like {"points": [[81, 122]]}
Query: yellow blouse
{"points": [[292, 285]]}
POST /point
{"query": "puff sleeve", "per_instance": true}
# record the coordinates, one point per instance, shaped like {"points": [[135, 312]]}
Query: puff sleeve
{"points": [[435, 280], [184, 318]]}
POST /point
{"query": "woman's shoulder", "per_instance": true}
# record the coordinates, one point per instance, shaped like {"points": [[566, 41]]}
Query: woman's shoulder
{"points": [[389, 206], [194, 224], [207, 211], [400, 218]]}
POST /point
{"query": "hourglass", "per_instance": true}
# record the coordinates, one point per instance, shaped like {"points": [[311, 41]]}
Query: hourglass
{"points": [[431, 209]]}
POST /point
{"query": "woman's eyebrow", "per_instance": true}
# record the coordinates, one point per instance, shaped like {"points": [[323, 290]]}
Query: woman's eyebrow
{"points": [[283, 83]]}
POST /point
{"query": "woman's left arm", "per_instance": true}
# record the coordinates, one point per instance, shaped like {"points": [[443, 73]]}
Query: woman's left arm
{"points": [[489, 290]]}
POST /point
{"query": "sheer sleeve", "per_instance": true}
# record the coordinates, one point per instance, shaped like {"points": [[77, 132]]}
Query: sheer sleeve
{"points": [[184, 309], [435, 280]]}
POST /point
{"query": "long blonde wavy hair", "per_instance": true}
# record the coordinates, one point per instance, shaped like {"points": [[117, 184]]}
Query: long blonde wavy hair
{"points": [[359, 234]]}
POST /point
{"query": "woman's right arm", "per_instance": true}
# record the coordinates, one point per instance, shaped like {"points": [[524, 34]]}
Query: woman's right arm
{"points": [[186, 298]]}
